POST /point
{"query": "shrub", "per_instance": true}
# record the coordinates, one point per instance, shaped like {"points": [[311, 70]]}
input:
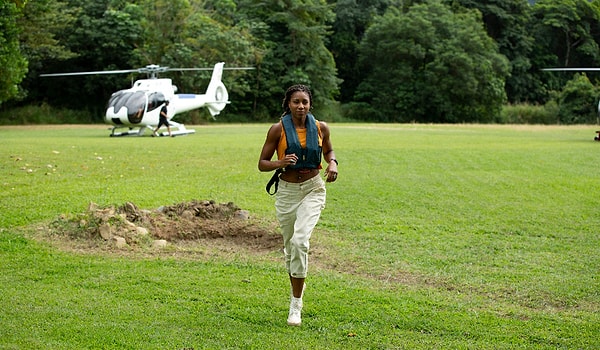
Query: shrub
{"points": [[529, 114], [44, 114], [577, 101]]}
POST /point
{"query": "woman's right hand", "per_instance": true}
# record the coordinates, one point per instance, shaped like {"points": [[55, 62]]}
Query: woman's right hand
{"points": [[290, 159]]}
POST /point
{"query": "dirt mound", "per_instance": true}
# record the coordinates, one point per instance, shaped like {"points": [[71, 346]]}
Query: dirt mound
{"points": [[130, 226]]}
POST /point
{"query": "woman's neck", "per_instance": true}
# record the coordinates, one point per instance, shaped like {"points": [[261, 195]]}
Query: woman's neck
{"points": [[299, 122]]}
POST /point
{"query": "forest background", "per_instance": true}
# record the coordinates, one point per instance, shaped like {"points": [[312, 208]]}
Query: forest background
{"points": [[431, 61]]}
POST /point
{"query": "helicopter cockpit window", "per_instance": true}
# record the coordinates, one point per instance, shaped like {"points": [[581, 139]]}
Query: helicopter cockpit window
{"points": [[131, 100], [117, 100], [134, 102], [155, 100]]}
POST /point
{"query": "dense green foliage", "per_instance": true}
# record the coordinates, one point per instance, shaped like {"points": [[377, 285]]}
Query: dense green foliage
{"points": [[432, 65], [13, 65], [506, 22], [575, 102], [567, 34], [293, 36], [352, 20], [382, 60]]}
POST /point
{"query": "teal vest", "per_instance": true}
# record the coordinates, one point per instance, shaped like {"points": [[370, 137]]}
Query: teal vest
{"points": [[309, 157]]}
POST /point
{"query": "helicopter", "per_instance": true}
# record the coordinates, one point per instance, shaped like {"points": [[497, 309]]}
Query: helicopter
{"points": [[138, 108]]}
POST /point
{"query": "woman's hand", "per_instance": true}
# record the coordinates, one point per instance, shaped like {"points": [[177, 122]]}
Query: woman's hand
{"points": [[331, 171], [289, 159]]}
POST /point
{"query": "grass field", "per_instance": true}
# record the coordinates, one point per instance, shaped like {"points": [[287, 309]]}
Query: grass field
{"points": [[434, 237]]}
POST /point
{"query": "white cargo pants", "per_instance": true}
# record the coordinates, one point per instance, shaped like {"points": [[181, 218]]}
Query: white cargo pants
{"points": [[298, 207]]}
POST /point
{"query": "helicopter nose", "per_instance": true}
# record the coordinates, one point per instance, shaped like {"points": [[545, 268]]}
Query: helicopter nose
{"points": [[116, 117]]}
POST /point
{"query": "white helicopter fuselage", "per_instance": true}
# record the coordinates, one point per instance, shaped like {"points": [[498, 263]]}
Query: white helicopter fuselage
{"points": [[140, 105]]}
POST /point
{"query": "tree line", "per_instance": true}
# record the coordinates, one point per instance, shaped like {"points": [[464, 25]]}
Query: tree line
{"points": [[374, 60]]}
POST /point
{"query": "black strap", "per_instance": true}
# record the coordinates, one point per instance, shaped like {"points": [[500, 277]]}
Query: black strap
{"points": [[274, 180]]}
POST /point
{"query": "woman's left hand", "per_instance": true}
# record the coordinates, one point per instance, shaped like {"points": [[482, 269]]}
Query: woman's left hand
{"points": [[331, 172]]}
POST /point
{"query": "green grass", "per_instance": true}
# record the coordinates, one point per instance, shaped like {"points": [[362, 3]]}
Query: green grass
{"points": [[434, 236]]}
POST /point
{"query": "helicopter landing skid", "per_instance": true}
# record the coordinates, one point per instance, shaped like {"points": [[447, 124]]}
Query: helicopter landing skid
{"points": [[177, 133], [180, 130], [130, 132]]}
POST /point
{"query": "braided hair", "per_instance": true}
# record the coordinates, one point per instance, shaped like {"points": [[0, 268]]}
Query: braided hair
{"points": [[288, 95]]}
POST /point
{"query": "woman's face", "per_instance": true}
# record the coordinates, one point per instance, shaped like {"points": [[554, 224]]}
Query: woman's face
{"points": [[299, 104]]}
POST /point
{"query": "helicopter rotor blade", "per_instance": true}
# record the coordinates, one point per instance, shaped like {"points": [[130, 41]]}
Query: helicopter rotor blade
{"points": [[572, 69], [206, 69], [239, 68], [89, 73], [151, 69]]}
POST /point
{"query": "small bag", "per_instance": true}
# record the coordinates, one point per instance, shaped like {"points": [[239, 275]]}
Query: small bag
{"points": [[274, 181]]}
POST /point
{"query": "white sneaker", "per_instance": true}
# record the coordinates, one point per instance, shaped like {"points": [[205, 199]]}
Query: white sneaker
{"points": [[295, 316]]}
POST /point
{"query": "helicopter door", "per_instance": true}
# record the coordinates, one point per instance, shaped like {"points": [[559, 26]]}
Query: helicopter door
{"points": [[136, 104], [155, 100]]}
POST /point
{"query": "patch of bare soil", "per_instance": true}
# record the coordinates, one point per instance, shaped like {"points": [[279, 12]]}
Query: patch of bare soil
{"points": [[198, 222], [187, 230]]}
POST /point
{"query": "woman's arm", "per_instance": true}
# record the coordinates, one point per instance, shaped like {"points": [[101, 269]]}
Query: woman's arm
{"points": [[328, 154], [265, 163]]}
